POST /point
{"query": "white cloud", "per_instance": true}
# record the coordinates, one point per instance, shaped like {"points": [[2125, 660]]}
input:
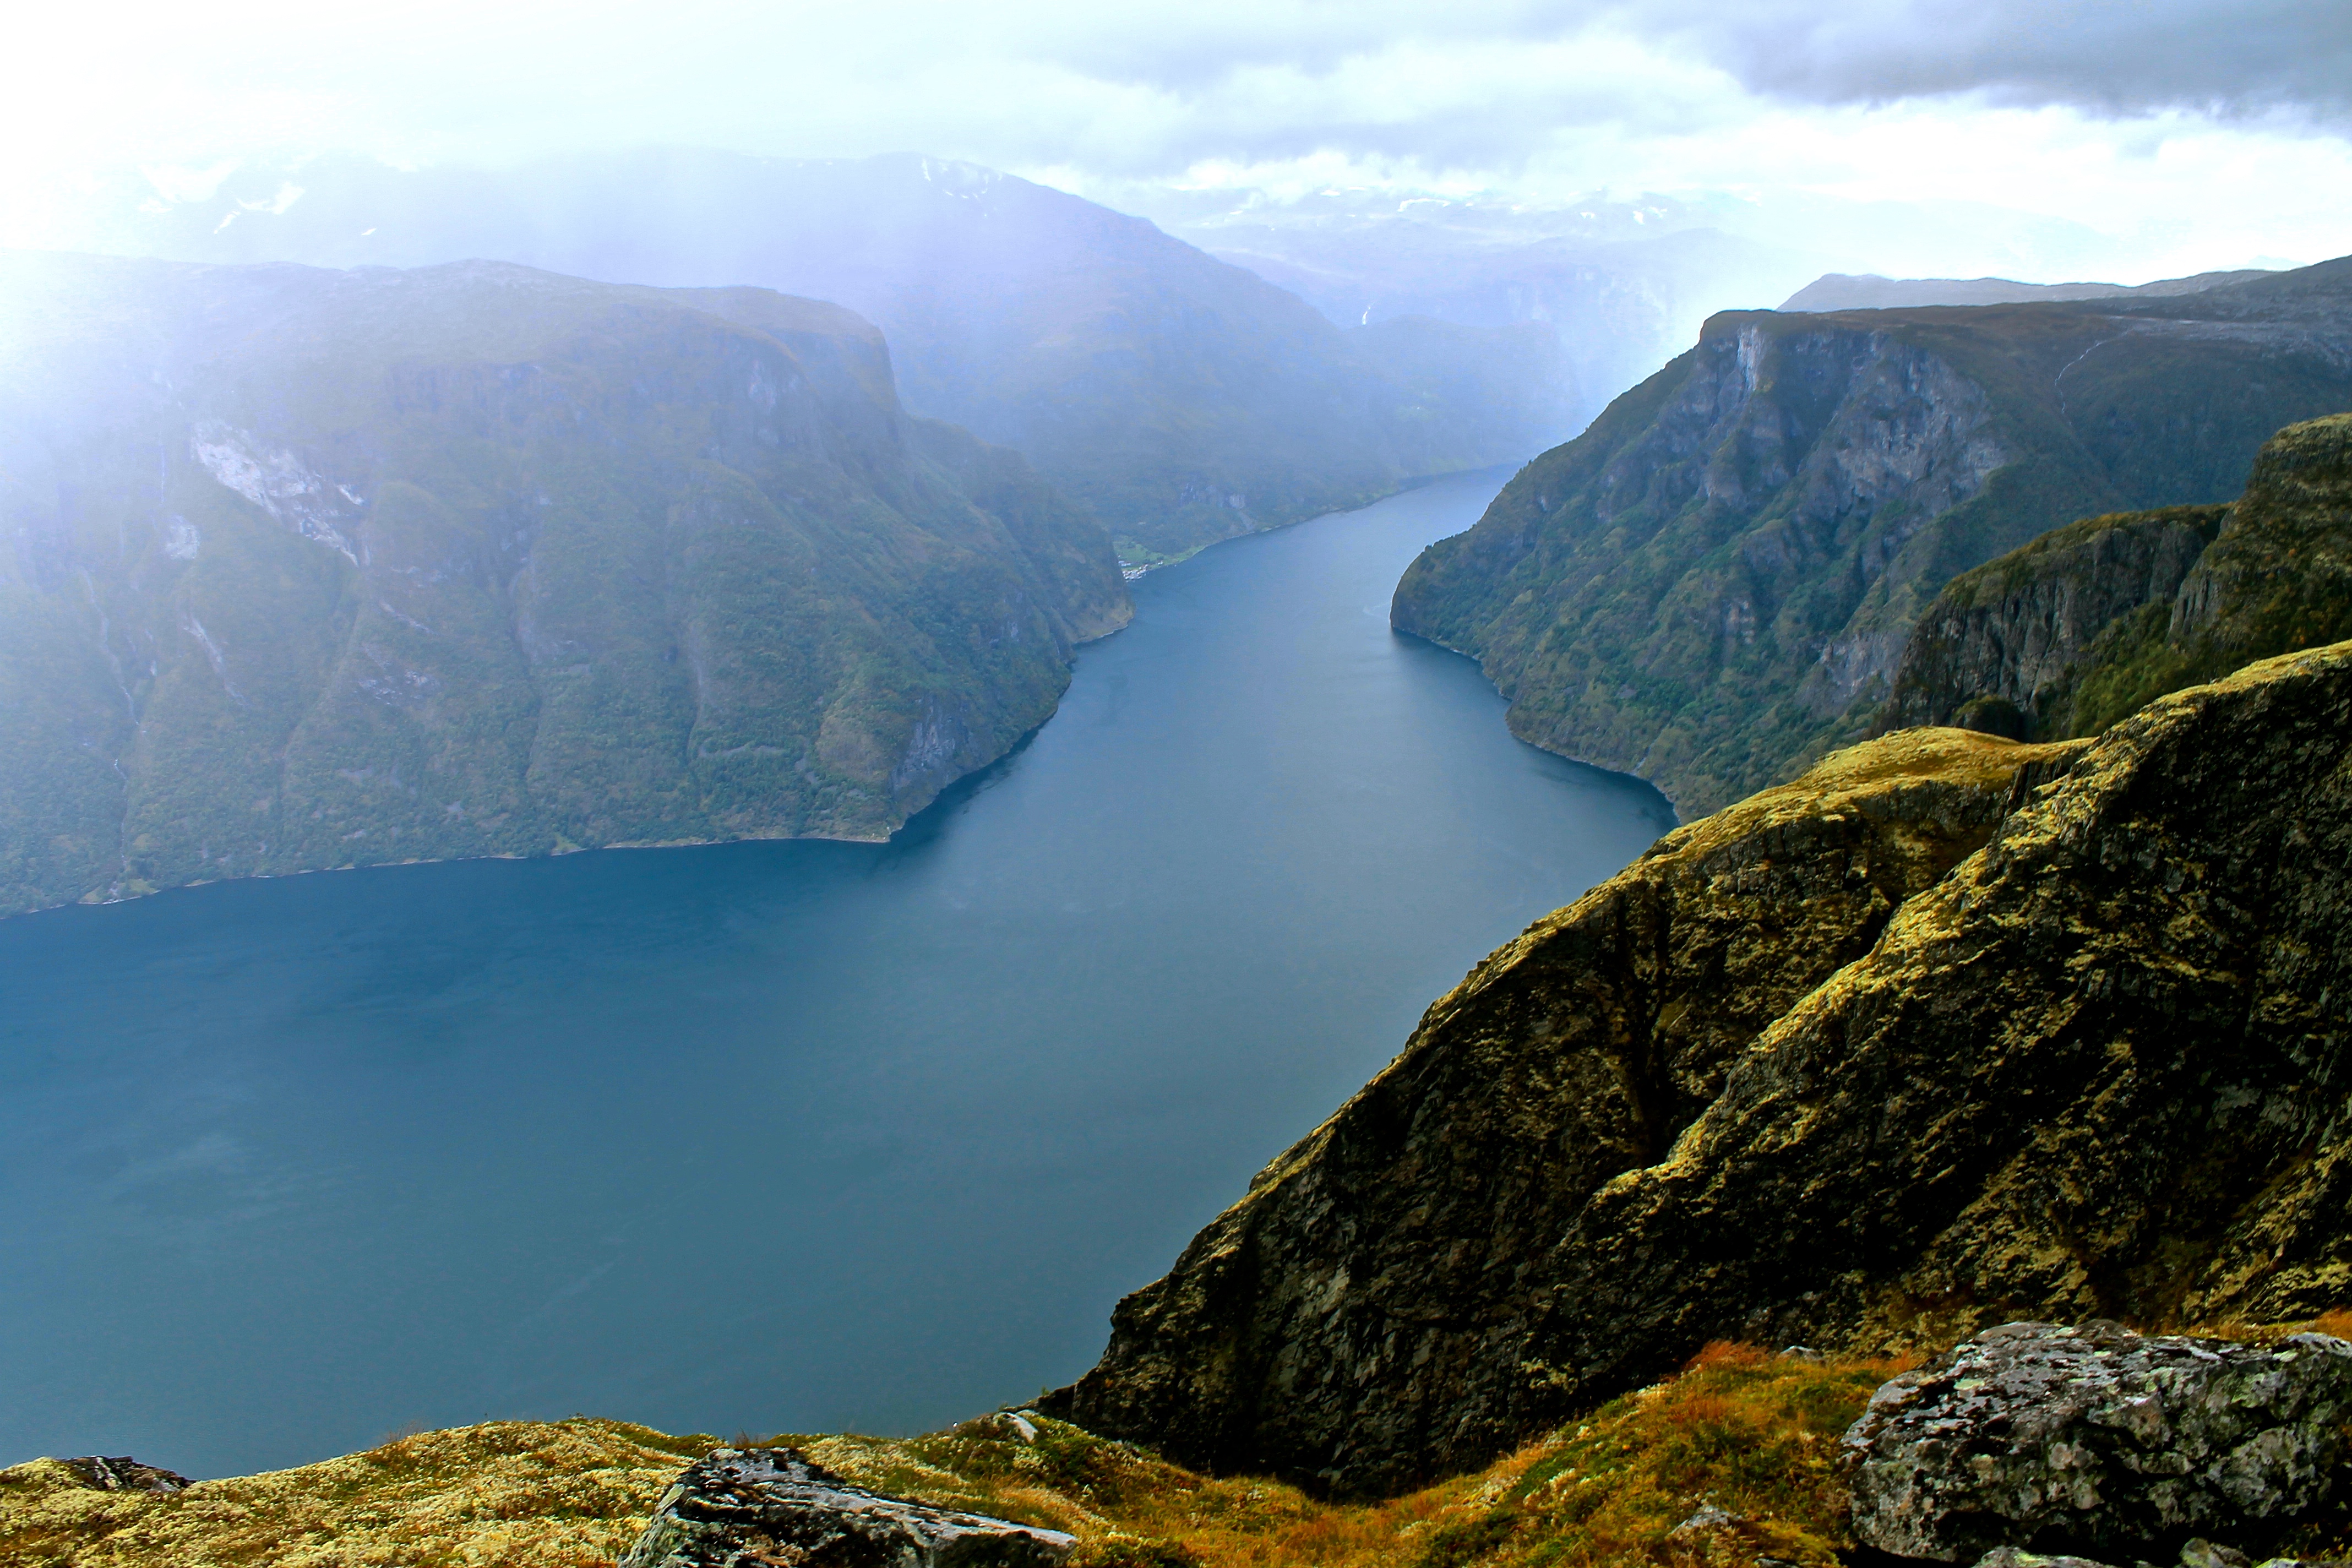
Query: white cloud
{"points": [[2182, 129]]}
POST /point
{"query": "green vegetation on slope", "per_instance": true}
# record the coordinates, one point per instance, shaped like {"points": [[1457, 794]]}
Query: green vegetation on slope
{"points": [[2093, 621], [317, 570], [1744, 1432], [1712, 585]]}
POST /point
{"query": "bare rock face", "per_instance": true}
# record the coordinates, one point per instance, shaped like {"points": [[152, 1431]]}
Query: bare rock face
{"points": [[125, 1474], [2014, 632], [2097, 1441], [759, 1507]]}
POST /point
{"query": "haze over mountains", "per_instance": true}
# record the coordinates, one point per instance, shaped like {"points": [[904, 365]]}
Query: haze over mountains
{"points": [[1181, 399], [1620, 287]]}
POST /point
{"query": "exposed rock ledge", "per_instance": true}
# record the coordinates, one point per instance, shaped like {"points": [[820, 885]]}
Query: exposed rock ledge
{"points": [[1948, 1031]]}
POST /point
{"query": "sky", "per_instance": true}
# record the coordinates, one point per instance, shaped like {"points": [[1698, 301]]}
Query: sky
{"points": [[2184, 134]]}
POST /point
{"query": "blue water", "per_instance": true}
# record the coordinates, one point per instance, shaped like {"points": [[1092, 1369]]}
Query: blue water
{"points": [[769, 1136]]}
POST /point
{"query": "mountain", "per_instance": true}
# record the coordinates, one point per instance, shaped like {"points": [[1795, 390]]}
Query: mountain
{"points": [[2069, 633], [1868, 291], [1181, 399], [1712, 585], [1617, 288], [308, 569], [1948, 1031]]}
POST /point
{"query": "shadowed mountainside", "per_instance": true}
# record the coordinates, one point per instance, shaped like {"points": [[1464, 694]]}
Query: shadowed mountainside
{"points": [[308, 569], [2072, 631]]}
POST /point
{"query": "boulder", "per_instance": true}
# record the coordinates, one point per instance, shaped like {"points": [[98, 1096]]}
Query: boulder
{"points": [[771, 1508], [2098, 1442]]}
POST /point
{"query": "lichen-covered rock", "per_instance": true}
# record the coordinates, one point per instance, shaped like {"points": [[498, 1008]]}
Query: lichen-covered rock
{"points": [[2010, 1557], [2097, 1441], [753, 1508], [2101, 1067], [1350, 1318]]}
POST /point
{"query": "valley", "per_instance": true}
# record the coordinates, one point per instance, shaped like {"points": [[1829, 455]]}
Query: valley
{"points": [[708, 1135], [906, 741]]}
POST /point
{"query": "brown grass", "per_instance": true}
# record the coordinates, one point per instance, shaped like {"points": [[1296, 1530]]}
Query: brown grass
{"points": [[1747, 1431]]}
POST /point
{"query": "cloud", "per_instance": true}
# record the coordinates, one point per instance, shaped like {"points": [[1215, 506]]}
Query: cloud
{"points": [[2094, 109], [2111, 56]]}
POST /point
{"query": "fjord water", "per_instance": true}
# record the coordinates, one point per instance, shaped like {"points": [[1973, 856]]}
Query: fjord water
{"points": [[770, 1137]]}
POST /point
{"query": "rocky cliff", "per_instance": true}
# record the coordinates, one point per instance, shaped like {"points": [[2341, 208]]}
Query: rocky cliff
{"points": [[307, 569], [2066, 635], [1949, 1031], [1715, 582]]}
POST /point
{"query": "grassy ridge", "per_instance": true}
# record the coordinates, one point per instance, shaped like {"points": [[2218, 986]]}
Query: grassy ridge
{"points": [[1747, 1432]]}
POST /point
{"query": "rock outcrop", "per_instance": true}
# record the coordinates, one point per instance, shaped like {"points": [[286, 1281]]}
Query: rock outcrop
{"points": [[1400, 1251], [1714, 584], [2099, 1442], [1814, 1072], [738, 1508], [125, 1474], [2072, 631]]}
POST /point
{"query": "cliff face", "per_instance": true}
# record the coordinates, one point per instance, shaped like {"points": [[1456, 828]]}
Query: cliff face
{"points": [[1715, 582], [307, 569], [1400, 1247], [2087, 622], [1948, 1031], [2000, 648]]}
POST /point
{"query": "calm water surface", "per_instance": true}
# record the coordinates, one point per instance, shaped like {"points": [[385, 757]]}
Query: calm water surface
{"points": [[769, 1136]]}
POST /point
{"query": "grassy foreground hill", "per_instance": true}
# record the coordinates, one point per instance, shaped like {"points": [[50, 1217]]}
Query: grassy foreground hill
{"points": [[1747, 1432], [1714, 584], [309, 569]]}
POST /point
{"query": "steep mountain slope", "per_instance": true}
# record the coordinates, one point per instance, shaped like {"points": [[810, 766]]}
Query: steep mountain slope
{"points": [[1182, 399], [2066, 635], [1868, 291], [1715, 582], [309, 569], [1949, 1031]]}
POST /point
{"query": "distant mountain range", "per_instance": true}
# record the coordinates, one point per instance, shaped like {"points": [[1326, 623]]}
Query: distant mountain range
{"points": [[1867, 291], [1181, 399], [303, 569], [1715, 582], [1619, 287]]}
